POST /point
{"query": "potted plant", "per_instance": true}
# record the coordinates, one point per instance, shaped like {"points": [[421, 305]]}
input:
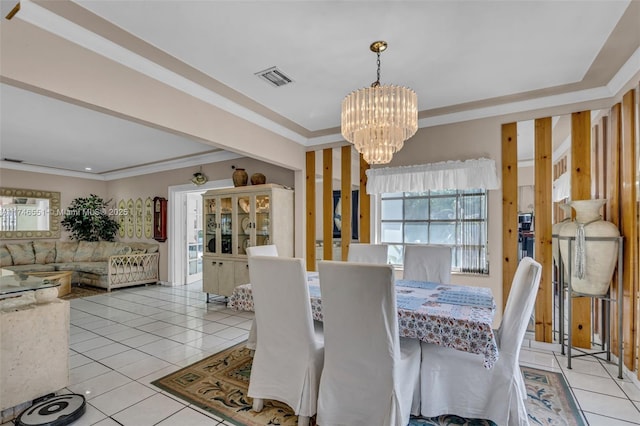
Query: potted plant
{"points": [[87, 220]]}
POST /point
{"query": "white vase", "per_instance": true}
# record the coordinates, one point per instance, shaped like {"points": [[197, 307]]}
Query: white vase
{"points": [[555, 231], [591, 271]]}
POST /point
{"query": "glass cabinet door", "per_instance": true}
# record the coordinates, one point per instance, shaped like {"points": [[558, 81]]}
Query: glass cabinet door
{"points": [[226, 225], [244, 224], [263, 219], [211, 222]]}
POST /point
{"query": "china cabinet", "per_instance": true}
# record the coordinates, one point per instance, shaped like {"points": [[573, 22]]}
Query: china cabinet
{"points": [[238, 218]]}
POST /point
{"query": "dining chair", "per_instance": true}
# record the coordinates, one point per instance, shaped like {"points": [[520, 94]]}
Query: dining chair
{"points": [[427, 263], [456, 382], [289, 354], [370, 375], [368, 253], [266, 250]]}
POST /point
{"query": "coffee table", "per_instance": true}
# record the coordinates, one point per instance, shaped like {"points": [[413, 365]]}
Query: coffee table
{"points": [[63, 277]]}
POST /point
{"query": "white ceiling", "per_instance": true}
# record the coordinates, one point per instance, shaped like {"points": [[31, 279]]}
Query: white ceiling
{"points": [[451, 53]]}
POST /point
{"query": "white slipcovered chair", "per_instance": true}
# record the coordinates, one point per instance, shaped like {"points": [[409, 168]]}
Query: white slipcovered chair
{"points": [[368, 253], [427, 263], [289, 354], [267, 250], [370, 375], [456, 382]]}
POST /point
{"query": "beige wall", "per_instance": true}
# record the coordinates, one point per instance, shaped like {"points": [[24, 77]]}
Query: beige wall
{"points": [[157, 184], [464, 141], [68, 187], [149, 185]]}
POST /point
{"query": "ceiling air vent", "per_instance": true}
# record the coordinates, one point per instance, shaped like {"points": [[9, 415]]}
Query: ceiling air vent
{"points": [[274, 77]]}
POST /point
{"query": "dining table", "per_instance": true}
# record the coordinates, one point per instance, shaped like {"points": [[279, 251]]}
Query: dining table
{"points": [[450, 315]]}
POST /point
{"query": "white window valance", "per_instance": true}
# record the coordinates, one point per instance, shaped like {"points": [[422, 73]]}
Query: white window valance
{"points": [[469, 174]]}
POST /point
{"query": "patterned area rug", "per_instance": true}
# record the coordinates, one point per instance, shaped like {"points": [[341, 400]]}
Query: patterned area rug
{"points": [[219, 385], [81, 291]]}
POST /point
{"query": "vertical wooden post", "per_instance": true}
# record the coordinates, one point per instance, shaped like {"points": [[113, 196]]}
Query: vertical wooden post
{"points": [[613, 207], [345, 196], [509, 206], [629, 225], [311, 210], [581, 190], [365, 204], [327, 204], [542, 226]]}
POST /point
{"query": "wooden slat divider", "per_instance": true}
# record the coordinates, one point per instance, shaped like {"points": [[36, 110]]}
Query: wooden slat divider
{"points": [[345, 196], [629, 225], [365, 204], [311, 210], [509, 206], [581, 190], [612, 208], [327, 204], [543, 249]]}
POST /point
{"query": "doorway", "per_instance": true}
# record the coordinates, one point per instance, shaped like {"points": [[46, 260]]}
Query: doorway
{"points": [[185, 231]]}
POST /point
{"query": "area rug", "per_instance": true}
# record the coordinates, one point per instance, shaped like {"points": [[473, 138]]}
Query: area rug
{"points": [[219, 383], [81, 291]]}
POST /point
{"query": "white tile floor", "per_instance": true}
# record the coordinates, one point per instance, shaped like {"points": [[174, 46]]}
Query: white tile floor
{"points": [[122, 341]]}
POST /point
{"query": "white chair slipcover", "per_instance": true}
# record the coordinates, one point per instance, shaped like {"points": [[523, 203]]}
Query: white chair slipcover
{"points": [[268, 250], [370, 375], [427, 263], [456, 382], [368, 253], [289, 355]]}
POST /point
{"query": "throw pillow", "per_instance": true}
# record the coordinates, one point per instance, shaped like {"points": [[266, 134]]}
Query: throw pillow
{"points": [[65, 250], [121, 248], [22, 254], [103, 250], [145, 247], [5, 257], [84, 251], [45, 251]]}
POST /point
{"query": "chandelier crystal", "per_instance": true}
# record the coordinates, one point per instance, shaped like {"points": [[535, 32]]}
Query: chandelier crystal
{"points": [[378, 119]]}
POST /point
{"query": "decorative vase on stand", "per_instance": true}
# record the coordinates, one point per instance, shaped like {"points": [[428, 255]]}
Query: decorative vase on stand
{"points": [[555, 231], [239, 177], [592, 262]]}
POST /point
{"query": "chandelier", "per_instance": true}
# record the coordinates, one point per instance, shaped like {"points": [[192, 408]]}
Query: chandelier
{"points": [[378, 119]]}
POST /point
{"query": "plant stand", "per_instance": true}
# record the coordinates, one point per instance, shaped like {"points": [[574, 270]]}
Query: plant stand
{"points": [[562, 287]]}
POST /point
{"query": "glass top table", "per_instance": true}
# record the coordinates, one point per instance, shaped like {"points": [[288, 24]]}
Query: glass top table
{"points": [[12, 284]]}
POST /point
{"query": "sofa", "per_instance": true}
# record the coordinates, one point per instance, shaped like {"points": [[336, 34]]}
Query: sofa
{"points": [[102, 264]]}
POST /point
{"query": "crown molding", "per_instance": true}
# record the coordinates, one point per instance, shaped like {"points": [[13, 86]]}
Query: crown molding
{"points": [[48, 170], [196, 160], [49, 21]]}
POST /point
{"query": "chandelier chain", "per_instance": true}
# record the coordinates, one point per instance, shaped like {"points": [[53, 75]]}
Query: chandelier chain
{"points": [[377, 83]]}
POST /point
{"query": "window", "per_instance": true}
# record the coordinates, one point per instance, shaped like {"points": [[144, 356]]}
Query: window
{"points": [[453, 218]]}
